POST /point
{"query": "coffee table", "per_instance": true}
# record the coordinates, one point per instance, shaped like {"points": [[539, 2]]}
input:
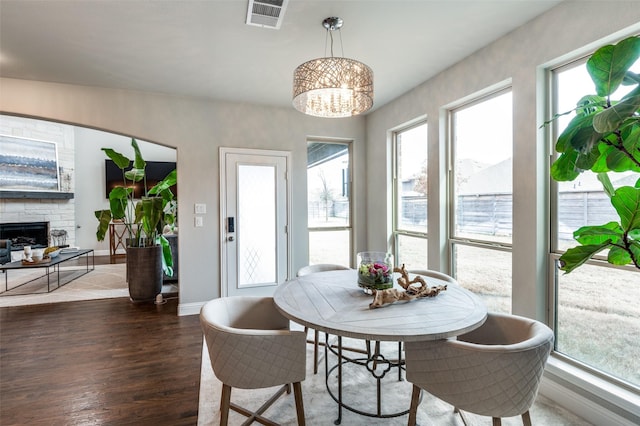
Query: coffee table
{"points": [[51, 268]]}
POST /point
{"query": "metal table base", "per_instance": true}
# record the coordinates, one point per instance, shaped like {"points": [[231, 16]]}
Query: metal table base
{"points": [[375, 363]]}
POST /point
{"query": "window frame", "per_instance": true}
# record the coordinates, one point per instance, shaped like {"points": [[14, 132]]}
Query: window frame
{"points": [[553, 251], [396, 232], [452, 239], [349, 188], [451, 196]]}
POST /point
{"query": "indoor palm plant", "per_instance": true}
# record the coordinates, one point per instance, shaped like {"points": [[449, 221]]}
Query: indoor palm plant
{"points": [[604, 137], [148, 251]]}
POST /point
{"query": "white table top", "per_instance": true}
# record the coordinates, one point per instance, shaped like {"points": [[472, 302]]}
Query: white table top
{"points": [[332, 302]]}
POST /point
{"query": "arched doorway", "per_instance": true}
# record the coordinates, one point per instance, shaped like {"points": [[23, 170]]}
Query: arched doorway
{"points": [[80, 164]]}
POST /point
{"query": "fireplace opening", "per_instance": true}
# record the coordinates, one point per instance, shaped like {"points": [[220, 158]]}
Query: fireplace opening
{"points": [[34, 234]]}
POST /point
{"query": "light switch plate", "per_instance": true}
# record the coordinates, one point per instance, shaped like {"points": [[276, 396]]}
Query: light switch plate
{"points": [[198, 222], [200, 208]]}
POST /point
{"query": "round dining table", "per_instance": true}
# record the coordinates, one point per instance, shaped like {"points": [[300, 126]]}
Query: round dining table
{"points": [[332, 302]]}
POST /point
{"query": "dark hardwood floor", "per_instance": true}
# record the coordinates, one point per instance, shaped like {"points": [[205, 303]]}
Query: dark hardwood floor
{"points": [[102, 362]]}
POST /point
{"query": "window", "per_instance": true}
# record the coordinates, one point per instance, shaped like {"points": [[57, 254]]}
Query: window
{"points": [[481, 198], [410, 196], [596, 309], [329, 202]]}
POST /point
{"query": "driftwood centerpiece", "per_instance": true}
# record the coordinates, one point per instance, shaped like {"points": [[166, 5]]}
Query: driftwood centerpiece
{"points": [[386, 297]]}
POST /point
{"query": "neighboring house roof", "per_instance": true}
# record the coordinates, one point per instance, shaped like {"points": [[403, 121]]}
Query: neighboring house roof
{"points": [[473, 179]]}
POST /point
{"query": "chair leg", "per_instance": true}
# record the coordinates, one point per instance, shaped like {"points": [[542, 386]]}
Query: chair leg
{"points": [[256, 416], [413, 409], [461, 414], [316, 343], [526, 418], [225, 403], [497, 421], [316, 337], [297, 392]]}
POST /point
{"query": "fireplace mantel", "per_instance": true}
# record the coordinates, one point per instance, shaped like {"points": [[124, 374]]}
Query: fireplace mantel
{"points": [[36, 194]]}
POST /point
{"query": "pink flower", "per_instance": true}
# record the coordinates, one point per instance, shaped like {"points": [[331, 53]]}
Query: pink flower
{"points": [[379, 269]]}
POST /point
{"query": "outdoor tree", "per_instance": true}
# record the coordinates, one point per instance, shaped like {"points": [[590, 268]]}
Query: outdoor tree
{"points": [[326, 195], [421, 181]]}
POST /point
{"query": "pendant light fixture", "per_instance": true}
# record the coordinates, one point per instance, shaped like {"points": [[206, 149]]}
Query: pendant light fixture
{"points": [[333, 87]]}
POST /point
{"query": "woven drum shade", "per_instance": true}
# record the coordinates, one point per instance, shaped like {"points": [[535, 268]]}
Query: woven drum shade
{"points": [[333, 87]]}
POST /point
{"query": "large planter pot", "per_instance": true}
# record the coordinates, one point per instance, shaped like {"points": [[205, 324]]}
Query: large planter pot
{"points": [[144, 273]]}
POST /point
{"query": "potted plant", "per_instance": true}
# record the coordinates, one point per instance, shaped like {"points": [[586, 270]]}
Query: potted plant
{"points": [[148, 251], [604, 137]]}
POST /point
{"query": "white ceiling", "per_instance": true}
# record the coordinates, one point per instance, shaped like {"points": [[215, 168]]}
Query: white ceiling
{"points": [[203, 48]]}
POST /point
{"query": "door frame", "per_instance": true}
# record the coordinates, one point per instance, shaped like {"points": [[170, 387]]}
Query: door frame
{"points": [[223, 151]]}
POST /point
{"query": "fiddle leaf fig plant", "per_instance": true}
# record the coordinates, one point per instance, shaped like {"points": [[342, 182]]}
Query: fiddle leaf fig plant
{"points": [[604, 137], [144, 219]]}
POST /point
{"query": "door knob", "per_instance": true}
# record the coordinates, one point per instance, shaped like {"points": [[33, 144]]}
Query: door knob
{"points": [[230, 238]]}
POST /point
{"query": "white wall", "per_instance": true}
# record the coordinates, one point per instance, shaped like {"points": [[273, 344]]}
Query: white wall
{"points": [[90, 178], [196, 128]]}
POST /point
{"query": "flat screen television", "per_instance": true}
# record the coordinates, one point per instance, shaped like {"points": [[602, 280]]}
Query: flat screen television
{"points": [[155, 171]]}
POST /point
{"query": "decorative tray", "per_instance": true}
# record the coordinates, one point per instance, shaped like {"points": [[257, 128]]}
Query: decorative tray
{"points": [[33, 262]]}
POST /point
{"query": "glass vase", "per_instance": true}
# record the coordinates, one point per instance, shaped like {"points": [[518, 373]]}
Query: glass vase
{"points": [[375, 270]]}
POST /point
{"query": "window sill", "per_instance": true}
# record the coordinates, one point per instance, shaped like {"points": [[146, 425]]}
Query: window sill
{"points": [[591, 397]]}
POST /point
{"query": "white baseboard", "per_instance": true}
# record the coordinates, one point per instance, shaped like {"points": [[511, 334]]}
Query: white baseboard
{"points": [[189, 308], [589, 397]]}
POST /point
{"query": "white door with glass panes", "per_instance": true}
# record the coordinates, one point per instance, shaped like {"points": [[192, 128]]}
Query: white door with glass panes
{"points": [[254, 193]]}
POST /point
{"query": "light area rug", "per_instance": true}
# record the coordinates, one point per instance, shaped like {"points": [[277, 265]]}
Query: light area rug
{"points": [[359, 390], [105, 281]]}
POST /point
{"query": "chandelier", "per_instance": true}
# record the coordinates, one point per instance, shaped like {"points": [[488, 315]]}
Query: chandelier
{"points": [[333, 87]]}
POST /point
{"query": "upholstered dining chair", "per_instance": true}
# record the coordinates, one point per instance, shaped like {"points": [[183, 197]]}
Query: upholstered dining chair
{"points": [[433, 274], [251, 347], [310, 269], [494, 370]]}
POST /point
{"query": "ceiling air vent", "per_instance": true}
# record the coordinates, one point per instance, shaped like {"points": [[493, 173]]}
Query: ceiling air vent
{"points": [[266, 13]]}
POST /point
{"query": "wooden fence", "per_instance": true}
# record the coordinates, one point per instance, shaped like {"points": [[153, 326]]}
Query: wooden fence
{"points": [[491, 214]]}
